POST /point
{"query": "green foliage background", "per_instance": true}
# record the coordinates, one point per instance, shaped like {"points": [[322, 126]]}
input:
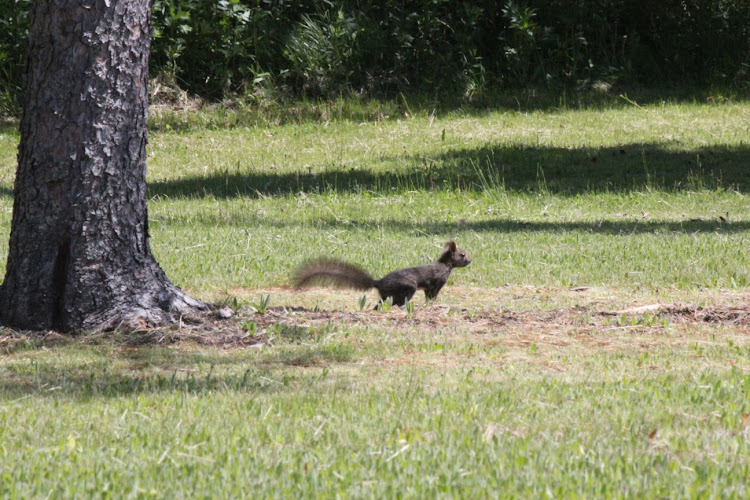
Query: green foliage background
{"points": [[311, 49]]}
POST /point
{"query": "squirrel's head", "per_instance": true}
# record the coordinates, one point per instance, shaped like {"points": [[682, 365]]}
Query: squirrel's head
{"points": [[454, 256]]}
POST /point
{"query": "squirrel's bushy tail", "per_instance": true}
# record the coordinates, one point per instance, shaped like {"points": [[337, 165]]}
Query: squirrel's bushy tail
{"points": [[333, 272]]}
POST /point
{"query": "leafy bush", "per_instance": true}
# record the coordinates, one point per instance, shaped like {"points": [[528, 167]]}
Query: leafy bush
{"points": [[320, 51], [216, 49], [14, 25]]}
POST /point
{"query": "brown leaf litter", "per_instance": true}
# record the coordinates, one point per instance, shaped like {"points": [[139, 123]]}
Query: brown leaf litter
{"points": [[246, 329]]}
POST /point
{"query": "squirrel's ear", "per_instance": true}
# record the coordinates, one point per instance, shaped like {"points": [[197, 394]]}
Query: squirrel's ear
{"points": [[450, 246]]}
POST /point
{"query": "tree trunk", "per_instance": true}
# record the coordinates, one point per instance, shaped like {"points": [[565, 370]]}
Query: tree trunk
{"points": [[79, 256]]}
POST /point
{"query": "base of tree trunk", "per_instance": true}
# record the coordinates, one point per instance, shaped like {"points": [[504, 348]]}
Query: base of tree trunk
{"points": [[97, 305], [144, 310]]}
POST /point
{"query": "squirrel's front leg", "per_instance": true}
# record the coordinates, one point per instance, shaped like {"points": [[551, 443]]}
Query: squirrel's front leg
{"points": [[432, 291]]}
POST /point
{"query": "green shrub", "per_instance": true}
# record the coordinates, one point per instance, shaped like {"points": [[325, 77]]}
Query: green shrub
{"points": [[320, 51], [14, 26], [217, 49]]}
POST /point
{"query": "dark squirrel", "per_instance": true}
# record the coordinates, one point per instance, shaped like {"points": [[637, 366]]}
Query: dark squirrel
{"points": [[401, 284]]}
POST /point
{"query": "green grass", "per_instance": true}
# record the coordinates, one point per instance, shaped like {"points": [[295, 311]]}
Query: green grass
{"points": [[509, 386], [423, 422], [564, 198], [520, 191]]}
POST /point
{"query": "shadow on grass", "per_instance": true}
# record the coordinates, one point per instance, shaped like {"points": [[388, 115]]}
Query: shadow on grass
{"points": [[529, 100], [356, 109], [8, 126], [629, 225], [148, 369], [560, 171], [85, 386]]}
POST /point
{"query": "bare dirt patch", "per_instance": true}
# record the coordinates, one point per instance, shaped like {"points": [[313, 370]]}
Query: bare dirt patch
{"points": [[554, 327]]}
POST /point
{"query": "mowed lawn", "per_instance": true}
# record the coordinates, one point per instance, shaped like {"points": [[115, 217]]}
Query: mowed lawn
{"points": [[535, 373]]}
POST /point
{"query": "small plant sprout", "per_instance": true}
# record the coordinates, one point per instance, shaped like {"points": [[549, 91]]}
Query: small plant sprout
{"points": [[261, 306], [362, 303], [409, 307], [386, 305], [230, 302], [250, 327]]}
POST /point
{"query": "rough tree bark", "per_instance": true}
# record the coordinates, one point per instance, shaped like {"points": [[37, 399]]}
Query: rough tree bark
{"points": [[79, 256]]}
